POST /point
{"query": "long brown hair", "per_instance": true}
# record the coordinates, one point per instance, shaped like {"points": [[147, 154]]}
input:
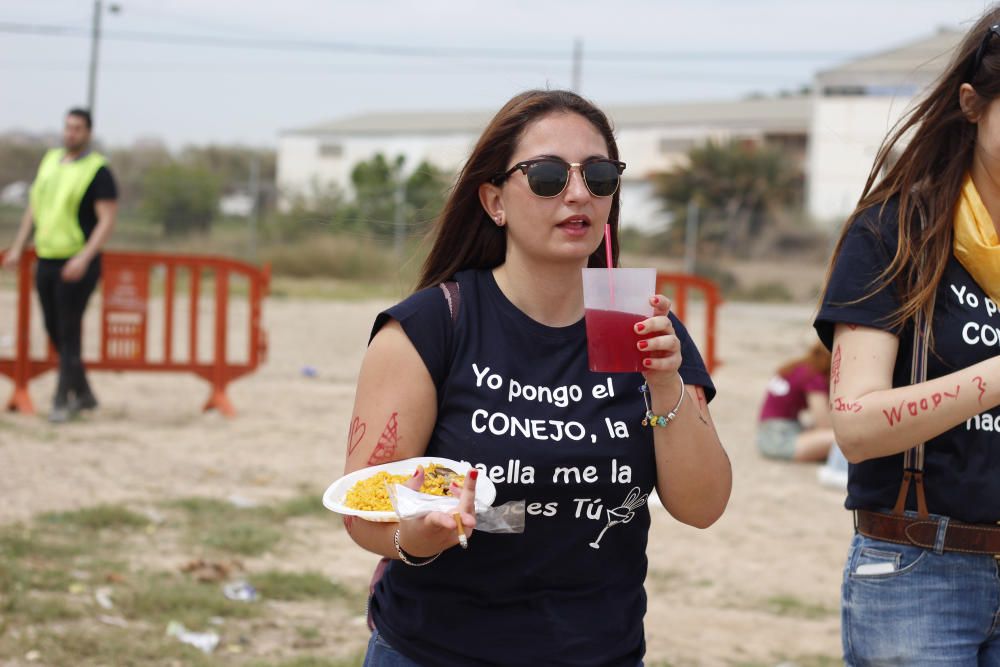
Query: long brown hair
{"points": [[927, 177], [817, 358], [464, 236]]}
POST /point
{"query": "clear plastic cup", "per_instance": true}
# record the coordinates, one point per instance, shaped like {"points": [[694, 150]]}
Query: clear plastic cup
{"points": [[614, 300]]}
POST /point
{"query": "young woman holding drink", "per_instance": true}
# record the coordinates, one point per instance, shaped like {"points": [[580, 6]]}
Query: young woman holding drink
{"points": [[910, 314], [487, 363]]}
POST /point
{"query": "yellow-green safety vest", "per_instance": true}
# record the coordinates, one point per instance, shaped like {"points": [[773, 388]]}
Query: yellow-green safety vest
{"points": [[56, 194]]}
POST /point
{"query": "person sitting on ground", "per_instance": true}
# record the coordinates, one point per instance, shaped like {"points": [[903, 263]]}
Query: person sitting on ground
{"points": [[801, 388]]}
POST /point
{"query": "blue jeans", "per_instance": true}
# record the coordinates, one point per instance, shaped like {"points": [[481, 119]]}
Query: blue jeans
{"points": [[903, 605], [380, 654]]}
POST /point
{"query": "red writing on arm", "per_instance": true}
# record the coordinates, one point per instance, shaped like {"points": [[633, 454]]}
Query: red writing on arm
{"points": [[387, 442], [840, 405], [354, 435], [914, 408], [981, 386], [835, 368]]}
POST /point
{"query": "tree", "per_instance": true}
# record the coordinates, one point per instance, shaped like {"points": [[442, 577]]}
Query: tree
{"points": [[425, 193], [740, 188], [381, 191], [181, 198]]}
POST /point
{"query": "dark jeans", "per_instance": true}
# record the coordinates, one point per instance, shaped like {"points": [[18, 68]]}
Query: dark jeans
{"points": [[63, 305]]}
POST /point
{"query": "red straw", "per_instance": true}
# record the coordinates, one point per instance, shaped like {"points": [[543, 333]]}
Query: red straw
{"points": [[607, 254]]}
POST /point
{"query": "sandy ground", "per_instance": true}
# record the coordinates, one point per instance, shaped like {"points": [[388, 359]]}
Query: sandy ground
{"points": [[761, 587]]}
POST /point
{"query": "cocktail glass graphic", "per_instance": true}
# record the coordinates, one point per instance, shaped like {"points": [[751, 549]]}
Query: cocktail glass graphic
{"points": [[622, 514]]}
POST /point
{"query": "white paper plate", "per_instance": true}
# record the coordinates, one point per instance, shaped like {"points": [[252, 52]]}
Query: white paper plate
{"points": [[336, 493]]}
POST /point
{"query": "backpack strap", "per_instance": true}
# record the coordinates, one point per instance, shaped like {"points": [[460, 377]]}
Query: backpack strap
{"points": [[454, 298]]}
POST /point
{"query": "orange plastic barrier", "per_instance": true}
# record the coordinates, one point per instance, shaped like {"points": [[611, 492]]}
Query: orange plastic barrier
{"points": [[126, 283], [679, 284]]}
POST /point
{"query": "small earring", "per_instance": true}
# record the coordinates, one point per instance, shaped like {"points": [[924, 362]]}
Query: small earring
{"points": [[499, 220]]}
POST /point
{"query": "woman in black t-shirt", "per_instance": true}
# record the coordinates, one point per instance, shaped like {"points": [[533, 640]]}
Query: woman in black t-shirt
{"points": [[492, 369], [920, 584]]}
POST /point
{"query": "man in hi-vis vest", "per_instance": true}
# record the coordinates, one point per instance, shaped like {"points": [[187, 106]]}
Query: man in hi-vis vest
{"points": [[72, 210]]}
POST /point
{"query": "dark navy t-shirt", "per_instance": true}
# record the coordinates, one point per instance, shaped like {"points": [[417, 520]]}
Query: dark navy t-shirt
{"points": [[516, 399], [962, 465]]}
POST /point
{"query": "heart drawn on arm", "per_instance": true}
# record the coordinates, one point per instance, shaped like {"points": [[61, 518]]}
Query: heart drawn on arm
{"points": [[355, 434]]}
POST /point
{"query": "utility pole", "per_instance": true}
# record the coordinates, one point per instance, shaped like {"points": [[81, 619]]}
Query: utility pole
{"points": [[254, 188], [691, 237], [95, 40], [577, 76], [399, 201]]}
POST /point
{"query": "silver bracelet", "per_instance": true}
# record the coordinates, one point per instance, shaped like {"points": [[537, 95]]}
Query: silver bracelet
{"points": [[661, 420], [403, 556]]}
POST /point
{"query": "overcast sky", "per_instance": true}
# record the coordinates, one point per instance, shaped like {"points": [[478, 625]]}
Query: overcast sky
{"points": [[293, 63]]}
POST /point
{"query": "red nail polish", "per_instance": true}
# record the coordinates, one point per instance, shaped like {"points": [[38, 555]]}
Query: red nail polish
{"points": [[473, 474], [647, 362], [656, 300], [640, 327], [643, 344], [416, 472]]}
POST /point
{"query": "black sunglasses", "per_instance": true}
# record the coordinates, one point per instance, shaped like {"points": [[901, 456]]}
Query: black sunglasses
{"points": [[981, 51], [549, 176]]}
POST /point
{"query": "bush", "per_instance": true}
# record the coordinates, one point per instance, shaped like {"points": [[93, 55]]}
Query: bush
{"points": [[180, 198], [331, 257]]}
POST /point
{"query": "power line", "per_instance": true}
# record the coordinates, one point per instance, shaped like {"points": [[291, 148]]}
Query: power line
{"points": [[231, 42], [652, 71]]}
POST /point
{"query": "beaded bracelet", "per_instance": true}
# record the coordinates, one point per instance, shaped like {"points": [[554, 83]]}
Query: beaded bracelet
{"points": [[415, 561], [651, 419]]}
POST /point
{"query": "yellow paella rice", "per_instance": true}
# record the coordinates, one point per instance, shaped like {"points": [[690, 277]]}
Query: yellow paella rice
{"points": [[372, 494]]}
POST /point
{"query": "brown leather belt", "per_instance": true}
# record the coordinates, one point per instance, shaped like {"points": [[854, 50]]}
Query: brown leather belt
{"points": [[972, 538]]}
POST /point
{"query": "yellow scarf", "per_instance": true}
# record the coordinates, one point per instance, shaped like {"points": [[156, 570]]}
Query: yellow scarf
{"points": [[976, 244]]}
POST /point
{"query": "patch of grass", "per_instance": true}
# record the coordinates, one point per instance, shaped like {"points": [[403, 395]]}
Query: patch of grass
{"points": [[112, 646], [330, 289], [19, 542], [788, 605], [97, 518], [167, 597], [297, 586], [330, 256], [245, 538], [44, 579], [38, 609], [220, 525], [307, 504], [308, 633], [197, 508]]}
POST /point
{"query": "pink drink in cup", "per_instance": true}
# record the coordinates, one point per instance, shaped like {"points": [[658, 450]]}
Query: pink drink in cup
{"points": [[614, 300], [611, 341]]}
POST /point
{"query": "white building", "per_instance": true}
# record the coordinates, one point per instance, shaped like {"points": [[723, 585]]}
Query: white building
{"points": [[856, 105], [835, 133], [651, 139]]}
